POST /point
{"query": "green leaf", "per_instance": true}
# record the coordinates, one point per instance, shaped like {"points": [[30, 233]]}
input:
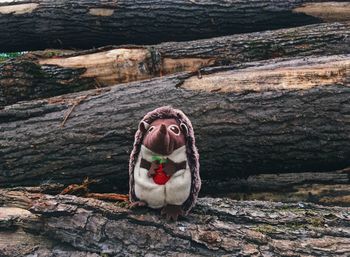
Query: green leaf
{"points": [[159, 158]]}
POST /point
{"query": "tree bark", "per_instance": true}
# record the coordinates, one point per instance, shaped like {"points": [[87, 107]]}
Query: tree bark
{"points": [[326, 188], [276, 116], [54, 72], [216, 227], [30, 25]]}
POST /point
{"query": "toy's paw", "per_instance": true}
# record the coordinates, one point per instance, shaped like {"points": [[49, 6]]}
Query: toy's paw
{"points": [[136, 204], [152, 171], [172, 212], [169, 167]]}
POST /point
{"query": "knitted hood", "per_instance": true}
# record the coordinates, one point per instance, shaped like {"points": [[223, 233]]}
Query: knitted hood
{"points": [[167, 112]]}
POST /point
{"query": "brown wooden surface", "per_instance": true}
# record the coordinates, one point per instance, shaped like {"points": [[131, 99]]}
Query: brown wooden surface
{"points": [[269, 117], [327, 188], [34, 223], [54, 72], [33, 25]]}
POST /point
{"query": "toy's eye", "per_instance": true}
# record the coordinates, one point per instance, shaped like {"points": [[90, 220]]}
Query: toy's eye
{"points": [[175, 129], [151, 128]]}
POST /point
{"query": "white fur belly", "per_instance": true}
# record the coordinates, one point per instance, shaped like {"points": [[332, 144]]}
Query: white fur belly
{"points": [[145, 188], [175, 191]]}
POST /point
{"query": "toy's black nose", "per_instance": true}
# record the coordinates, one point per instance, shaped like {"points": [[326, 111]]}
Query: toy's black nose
{"points": [[162, 129]]}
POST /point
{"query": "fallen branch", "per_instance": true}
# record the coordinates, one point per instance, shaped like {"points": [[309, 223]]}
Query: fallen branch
{"points": [[70, 224], [73, 24], [54, 72], [83, 190], [249, 121]]}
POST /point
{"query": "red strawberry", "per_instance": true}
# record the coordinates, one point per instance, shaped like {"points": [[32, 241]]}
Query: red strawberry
{"points": [[160, 177]]}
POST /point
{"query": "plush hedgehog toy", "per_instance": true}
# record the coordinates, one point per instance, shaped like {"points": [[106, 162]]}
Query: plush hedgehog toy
{"points": [[164, 167]]}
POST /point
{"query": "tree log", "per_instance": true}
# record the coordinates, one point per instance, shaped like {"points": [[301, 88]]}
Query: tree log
{"points": [[326, 188], [217, 227], [276, 116], [54, 72], [32, 25]]}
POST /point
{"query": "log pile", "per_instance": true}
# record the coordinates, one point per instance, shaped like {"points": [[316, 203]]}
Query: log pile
{"points": [[48, 73], [274, 116], [265, 83]]}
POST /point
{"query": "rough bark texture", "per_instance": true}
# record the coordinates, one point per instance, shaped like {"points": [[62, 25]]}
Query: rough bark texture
{"points": [[327, 188], [54, 72], [68, 225], [29, 25], [265, 118]]}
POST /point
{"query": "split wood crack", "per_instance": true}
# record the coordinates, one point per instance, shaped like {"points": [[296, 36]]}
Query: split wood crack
{"points": [[75, 102]]}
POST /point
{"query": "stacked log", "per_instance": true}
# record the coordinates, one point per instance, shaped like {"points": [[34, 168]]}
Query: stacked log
{"points": [[265, 83], [284, 116], [40, 24], [49, 73], [44, 225]]}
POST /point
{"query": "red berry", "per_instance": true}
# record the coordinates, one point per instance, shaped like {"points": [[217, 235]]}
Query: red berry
{"points": [[160, 177]]}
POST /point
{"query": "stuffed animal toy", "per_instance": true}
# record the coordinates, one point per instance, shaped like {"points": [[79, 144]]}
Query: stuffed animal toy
{"points": [[164, 163]]}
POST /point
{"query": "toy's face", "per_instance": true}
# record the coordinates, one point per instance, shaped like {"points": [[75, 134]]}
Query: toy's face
{"points": [[163, 136]]}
